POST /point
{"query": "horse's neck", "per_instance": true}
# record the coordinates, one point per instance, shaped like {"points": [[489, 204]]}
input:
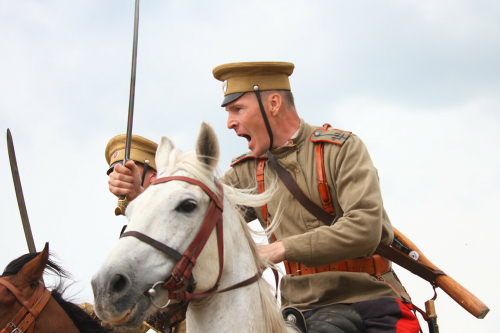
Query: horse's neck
{"points": [[238, 310], [54, 319]]}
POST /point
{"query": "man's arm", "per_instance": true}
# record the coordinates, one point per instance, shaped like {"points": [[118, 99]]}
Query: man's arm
{"points": [[358, 232]]}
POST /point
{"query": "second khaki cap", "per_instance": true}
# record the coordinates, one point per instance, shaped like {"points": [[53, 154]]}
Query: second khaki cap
{"points": [[242, 77], [141, 149]]}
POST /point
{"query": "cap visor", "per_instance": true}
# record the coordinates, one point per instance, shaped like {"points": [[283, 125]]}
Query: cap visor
{"points": [[112, 167], [231, 98]]}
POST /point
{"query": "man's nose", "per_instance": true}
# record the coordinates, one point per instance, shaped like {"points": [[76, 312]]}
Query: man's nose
{"points": [[231, 122]]}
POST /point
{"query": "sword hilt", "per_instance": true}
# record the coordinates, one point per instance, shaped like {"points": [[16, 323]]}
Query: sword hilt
{"points": [[122, 205]]}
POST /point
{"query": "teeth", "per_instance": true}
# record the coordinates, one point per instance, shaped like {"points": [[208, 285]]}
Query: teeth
{"points": [[245, 136]]}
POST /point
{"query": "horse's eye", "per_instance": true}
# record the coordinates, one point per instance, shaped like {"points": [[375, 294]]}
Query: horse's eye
{"points": [[187, 206]]}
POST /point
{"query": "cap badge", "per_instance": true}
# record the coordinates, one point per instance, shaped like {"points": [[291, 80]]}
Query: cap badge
{"points": [[224, 86], [115, 155]]}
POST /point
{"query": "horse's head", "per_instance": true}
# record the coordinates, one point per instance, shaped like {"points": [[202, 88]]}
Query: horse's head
{"points": [[26, 305], [171, 213], [24, 279]]}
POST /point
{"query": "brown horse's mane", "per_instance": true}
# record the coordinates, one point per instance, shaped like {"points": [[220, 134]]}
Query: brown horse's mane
{"points": [[80, 318]]}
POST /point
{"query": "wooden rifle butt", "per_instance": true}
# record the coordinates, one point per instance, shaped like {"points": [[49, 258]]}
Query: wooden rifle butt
{"points": [[456, 291]]}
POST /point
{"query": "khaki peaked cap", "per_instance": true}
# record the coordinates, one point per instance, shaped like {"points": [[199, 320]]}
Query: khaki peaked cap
{"points": [[241, 77], [141, 150]]}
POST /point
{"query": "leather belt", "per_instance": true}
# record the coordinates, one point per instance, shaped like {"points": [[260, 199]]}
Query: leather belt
{"points": [[374, 265]]}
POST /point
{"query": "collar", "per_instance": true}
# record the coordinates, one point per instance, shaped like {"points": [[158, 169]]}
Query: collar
{"points": [[296, 140]]}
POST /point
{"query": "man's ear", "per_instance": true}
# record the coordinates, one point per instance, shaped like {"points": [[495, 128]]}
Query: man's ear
{"points": [[275, 101]]}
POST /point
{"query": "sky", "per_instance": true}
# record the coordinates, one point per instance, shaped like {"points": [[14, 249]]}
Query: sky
{"points": [[417, 81]]}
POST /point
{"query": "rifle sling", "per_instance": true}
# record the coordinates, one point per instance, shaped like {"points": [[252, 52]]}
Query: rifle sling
{"points": [[408, 263], [292, 186], [384, 250]]}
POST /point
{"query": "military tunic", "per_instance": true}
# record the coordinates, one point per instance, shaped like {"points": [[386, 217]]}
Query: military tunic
{"points": [[362, 221]]}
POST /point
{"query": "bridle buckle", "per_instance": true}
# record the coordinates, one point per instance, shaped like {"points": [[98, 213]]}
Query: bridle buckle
{"points": [[16, 329]]}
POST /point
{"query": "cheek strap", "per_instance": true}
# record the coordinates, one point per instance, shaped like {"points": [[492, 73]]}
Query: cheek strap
{"points": [[257, 92], [146, 164]]}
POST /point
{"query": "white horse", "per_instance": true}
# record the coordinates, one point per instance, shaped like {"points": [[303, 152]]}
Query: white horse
{"points": [[172, 213]]}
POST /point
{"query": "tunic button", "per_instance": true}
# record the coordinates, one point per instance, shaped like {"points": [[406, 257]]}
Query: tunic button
{"points": [[317, 133], [290, 142], [297, 169]]}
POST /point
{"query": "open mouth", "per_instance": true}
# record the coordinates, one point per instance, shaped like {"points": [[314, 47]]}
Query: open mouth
{"points": [[123, 319], [248, 137]]}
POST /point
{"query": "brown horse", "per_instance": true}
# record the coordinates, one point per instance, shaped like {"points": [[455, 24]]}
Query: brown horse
{"points": [[26, 306]]}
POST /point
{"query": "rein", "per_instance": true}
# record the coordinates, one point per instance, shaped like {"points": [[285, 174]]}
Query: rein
{"points": [[181, 278], [24, 320]]}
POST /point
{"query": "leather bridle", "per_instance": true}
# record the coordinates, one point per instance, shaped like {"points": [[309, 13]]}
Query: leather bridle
{"points": [[181, 283], [24, 320]]}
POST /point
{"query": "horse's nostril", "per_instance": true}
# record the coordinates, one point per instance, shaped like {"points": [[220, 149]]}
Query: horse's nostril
{"points": [[118, 283]]}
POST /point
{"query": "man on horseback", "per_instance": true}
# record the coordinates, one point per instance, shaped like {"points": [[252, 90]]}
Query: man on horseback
{"points": [[131, 179], [329, 261], [328, 236]]}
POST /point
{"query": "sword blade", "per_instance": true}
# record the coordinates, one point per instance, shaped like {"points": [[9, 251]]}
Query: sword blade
{"points": [[130, 119], [19, 193], [122, 199]]}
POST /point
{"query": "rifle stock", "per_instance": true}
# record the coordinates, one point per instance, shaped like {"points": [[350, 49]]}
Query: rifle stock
{"points": [[456, 291]]}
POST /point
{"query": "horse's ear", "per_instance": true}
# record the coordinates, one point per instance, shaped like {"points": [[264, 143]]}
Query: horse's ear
{"points": [[33, 270], [163, 152], [207, 146]]}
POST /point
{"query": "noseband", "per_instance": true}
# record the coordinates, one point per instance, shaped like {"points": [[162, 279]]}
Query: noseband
{"points": [[24, 320], [181, 276]]}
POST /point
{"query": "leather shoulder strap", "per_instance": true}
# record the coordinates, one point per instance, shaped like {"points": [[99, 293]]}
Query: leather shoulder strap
{"points": [[261, 187], [406, 262], [324, 191], [292, 186]]}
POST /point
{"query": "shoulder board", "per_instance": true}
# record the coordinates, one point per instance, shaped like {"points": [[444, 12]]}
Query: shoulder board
{"points": [[246, 156], [330, 135]]}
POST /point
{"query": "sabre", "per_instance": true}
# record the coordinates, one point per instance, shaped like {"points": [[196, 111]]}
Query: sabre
{"points": [[19, 193], [123, 199]]}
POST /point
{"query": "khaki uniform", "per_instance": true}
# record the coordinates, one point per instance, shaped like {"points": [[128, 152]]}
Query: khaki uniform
{"points": [[362, 222]]}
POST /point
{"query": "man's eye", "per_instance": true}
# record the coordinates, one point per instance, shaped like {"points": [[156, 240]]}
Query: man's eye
{"points": [[186, 206]]}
